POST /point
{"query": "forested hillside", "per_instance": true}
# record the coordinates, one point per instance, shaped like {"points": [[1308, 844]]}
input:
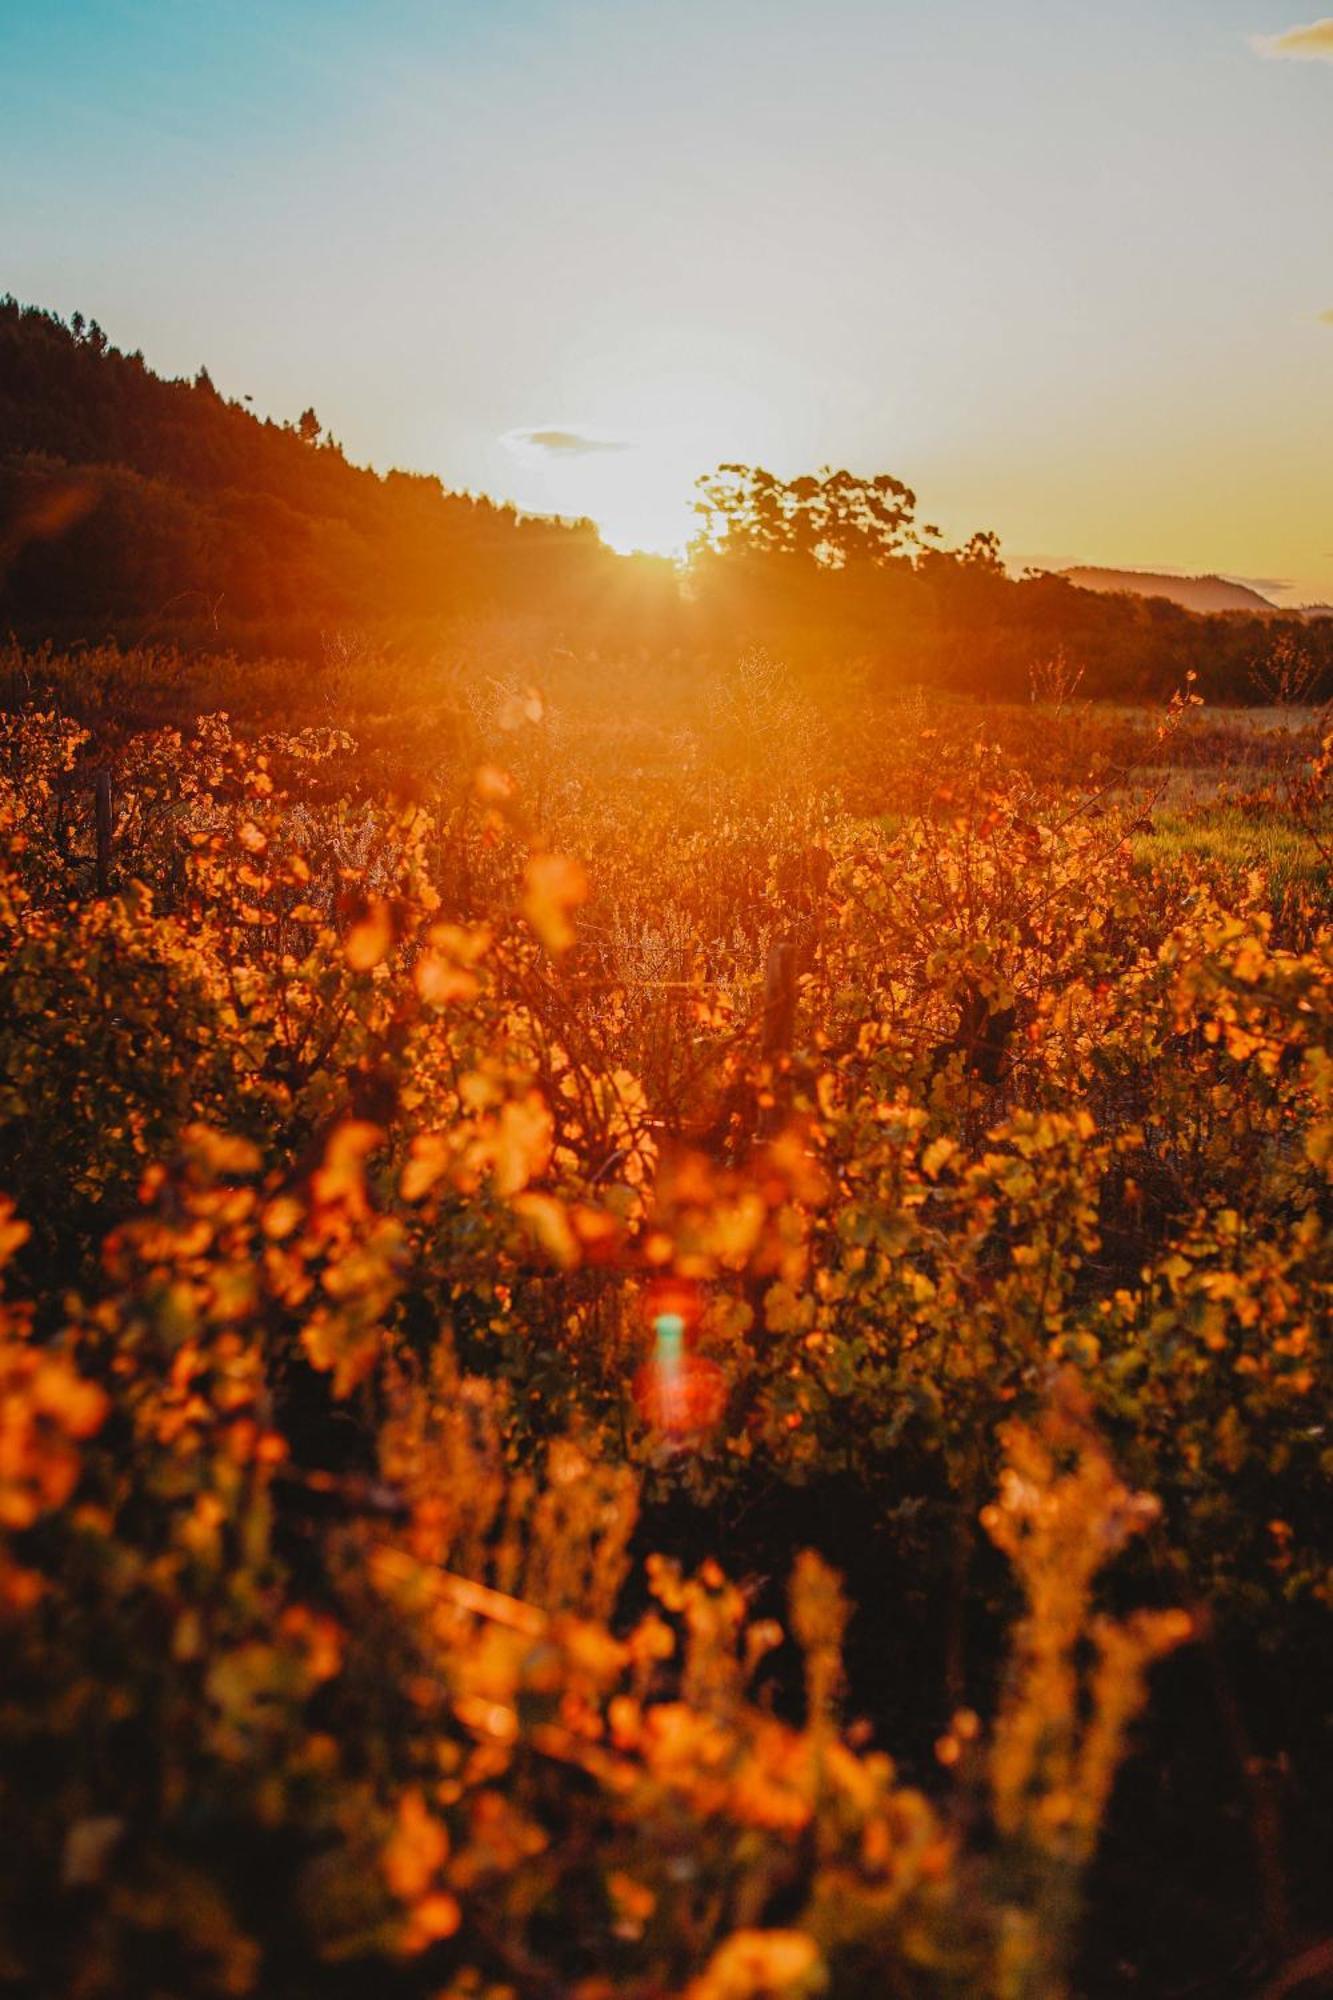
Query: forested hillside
{"points": [[125, 496], [133, 508]]}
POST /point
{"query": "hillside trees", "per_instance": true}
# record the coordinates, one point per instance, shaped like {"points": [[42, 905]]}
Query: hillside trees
{"points": [[834, 519], [131, 506], [125, 498]]}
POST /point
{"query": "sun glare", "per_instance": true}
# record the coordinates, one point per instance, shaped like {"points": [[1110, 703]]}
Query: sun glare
{"points": [[645, 524], [638, 489]]}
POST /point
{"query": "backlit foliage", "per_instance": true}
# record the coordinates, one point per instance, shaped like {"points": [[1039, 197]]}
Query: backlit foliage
{"points": [[424, 1255]]}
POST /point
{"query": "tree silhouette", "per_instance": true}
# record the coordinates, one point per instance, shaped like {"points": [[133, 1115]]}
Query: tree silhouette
{"points": [[834, 519]]}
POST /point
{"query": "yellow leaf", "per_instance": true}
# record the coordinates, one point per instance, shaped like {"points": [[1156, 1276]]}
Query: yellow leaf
{"points": [[370, 937], [522, 1144], [438, 982], [554, 884], [494, 786], [341, 1178], [755, 1963], [784, 1312], [428, 1160], [551, 1226]]}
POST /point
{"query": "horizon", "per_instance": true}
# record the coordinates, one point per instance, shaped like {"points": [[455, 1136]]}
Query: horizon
{"points": [[1015, 565], [575, 257]]}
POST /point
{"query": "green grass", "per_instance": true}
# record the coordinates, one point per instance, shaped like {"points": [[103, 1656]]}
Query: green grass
{"points": [[1235, 841]]}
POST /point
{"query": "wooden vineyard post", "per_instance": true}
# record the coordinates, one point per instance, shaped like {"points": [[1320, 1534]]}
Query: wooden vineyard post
{"points": [[102, 803]]}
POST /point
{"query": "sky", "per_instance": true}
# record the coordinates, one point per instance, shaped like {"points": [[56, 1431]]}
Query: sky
{"points": [[1066, 266]]}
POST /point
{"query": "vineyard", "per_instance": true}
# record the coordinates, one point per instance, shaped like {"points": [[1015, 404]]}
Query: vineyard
{"points": [[669, 1343]]}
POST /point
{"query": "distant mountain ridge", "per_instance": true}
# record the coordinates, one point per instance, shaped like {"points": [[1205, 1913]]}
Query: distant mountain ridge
{"points": [[1193, 593]]}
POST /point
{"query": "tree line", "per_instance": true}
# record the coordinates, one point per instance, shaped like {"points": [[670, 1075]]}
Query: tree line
{"points": [[132, 506]]}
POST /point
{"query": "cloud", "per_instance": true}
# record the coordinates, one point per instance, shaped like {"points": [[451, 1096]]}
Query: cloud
{"points": [[1326, 318], [561, 443], [1311, 44]]}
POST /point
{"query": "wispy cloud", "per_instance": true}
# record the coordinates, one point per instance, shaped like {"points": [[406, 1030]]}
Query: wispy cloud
{"points": [[1310, 44], [562, 443]]}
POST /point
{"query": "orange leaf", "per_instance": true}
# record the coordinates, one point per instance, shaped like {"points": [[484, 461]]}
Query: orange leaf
{"points": [[370, 937], [415, 1849], [554, 884], [522, 1143], [428, 1161], [436, 1916], [493, 786], [550, 1224]]}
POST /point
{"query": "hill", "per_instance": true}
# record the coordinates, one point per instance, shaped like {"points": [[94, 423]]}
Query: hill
{"points": [[124, 496], [143, 510], [1205, 594]]}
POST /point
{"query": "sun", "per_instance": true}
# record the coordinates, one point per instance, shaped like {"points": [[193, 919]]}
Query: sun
{"points": [[644, 523], [641, 504], [639, 491]]}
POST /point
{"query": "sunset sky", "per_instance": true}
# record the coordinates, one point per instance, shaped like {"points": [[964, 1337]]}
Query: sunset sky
{"points": [[1066, 267]]}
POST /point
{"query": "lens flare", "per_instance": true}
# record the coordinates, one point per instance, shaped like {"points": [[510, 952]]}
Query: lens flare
{"points": [[677, 1392]]}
